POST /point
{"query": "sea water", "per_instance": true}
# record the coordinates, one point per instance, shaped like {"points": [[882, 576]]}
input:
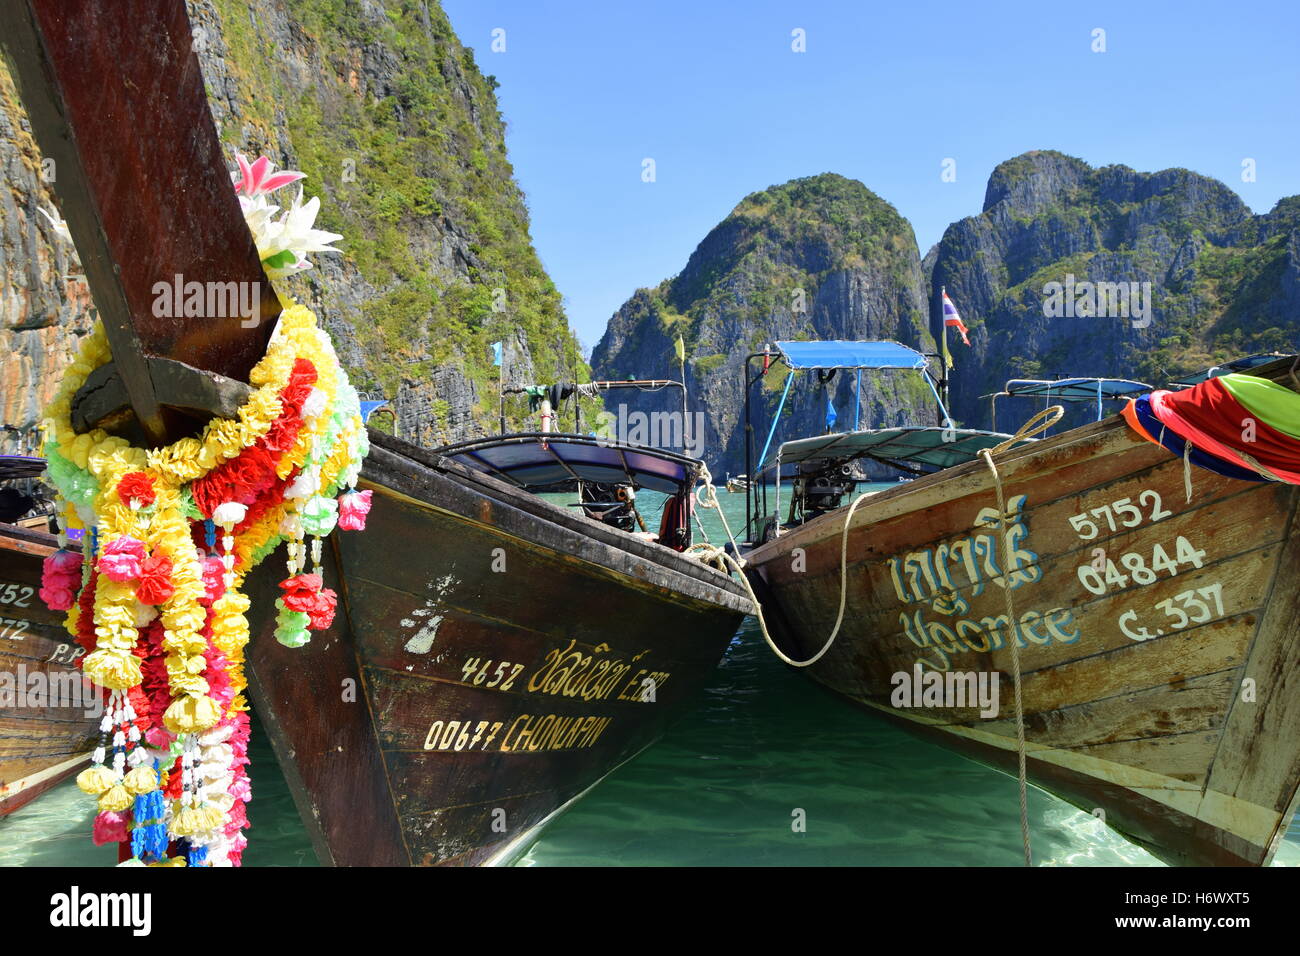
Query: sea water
{"points": [[768, 770]]}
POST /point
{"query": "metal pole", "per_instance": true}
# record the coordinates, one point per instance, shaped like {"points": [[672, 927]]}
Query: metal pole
{"points": [[945, 359], [686, 417], [749, 447], [857, 399]]}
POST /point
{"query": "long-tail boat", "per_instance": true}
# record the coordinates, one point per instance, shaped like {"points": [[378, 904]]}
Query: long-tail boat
{"points": [[1155, 609], [47, 711], [498, 654]]}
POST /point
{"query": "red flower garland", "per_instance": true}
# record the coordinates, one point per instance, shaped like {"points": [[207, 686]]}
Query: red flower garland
{"points": [[136, 485], [155, 585], [250, 477]]}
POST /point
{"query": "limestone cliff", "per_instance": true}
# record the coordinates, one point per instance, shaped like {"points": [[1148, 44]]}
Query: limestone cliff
{"points": [[1220, 282], [820, 257], [1037, 276]]}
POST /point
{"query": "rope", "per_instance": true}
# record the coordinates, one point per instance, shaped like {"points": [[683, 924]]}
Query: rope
{"points": [[1187, 463], [719, 558], [1039, 423]]}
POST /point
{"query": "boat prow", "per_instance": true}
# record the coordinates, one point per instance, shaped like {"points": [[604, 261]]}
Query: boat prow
{"points": [[505, 655]]}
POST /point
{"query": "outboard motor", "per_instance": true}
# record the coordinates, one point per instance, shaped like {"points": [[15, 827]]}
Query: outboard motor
{"points": [[823, 489]]}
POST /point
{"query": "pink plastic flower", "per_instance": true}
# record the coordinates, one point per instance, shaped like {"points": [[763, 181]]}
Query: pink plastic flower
{"points": [[61, 579], [121, 557], [353, 508], [214, 582], [258, 179], [109, 828]]}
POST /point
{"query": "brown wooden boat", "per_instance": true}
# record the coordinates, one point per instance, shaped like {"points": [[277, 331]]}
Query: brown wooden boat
{"points": [[47, 712], [499, 654], [1160, 652], [503, 655]]}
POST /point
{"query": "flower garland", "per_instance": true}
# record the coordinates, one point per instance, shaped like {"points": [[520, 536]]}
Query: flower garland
{"points": [[154, 595]]}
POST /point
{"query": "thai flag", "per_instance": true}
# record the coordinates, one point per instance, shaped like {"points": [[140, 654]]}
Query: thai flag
{"points": [[952, 318]]}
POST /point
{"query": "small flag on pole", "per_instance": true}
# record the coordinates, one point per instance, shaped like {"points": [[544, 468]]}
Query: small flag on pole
{"points": [[496, 353], [680, 348], [830, 414], [952, 318]]}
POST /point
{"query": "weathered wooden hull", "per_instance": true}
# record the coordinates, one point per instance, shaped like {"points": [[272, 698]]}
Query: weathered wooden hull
{"points": [[47, 713], [485, 669], [1167, 698]]}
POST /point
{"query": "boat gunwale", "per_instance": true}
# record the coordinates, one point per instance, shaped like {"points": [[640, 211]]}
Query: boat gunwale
{"points": [[537, 507], [1102, 432]]}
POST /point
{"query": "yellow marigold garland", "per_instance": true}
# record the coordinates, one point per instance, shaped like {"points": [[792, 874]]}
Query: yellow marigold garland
{"points": [[146, 548]]}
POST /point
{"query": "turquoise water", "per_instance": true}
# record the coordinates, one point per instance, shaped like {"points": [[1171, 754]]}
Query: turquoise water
{"points": [[723, 787]]}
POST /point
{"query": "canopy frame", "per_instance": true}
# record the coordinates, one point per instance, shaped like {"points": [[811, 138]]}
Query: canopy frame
{"points": [[825, 358], [1085, 389]]}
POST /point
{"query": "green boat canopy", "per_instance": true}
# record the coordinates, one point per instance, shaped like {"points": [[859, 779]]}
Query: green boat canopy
{"points": [[909, 448]]}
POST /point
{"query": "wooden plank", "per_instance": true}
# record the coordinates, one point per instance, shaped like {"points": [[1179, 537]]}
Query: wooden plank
{"points": [[1183, 756], [48, 712], [116, 98], [1258, 758], [104, 398]]}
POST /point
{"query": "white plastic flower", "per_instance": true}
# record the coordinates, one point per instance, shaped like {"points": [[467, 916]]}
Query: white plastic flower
{"points": [[283, 236]]}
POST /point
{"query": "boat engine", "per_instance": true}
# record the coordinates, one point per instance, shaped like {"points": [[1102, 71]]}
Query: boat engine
{"points": [[614, 504], [823, 488]]}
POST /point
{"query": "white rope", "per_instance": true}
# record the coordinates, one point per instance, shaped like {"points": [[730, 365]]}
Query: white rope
{"points": [[717, 557], [1039, 423]]}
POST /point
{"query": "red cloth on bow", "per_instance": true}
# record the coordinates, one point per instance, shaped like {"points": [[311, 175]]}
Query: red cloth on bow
{"points": [[1211, 419]]}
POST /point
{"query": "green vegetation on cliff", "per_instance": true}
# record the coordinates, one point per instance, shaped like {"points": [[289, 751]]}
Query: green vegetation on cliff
{"points": [[399, 134]]}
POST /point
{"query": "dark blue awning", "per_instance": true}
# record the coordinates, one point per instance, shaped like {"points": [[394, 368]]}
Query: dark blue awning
{"points": [[1236, 365], [537, 460], [13, 467], [1077, 389], [850, 355]]}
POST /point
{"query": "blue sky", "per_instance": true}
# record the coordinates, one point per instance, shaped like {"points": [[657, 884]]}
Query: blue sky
{"points": [[712, 91]]}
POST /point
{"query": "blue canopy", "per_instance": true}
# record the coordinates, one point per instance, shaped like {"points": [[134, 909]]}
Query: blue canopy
{"points": [[369, 408], [828, 355], [1236, 365], [535, 460]]}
